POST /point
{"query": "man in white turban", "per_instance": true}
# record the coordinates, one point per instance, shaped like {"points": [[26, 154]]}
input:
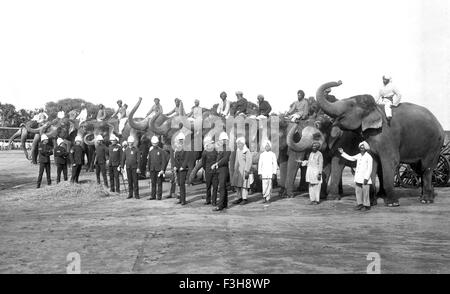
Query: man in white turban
{"points": [[363, 173], [267, 169]]}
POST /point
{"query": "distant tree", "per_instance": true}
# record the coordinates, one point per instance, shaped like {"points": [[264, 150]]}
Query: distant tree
{"points": [[69, 104], [8, 115]]}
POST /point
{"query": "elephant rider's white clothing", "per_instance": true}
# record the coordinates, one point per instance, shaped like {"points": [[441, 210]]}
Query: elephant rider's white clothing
{"points": [[363, 167], [122, 116], [223, 108], [61, 114], [196, 113], [40, 117], [389, 96], [82, 117]]}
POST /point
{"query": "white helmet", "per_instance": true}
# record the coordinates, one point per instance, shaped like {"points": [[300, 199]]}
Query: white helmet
{"points": [[208, 140], [223, 136], [180, 136], [130, 139], [154, 140], [59, 141], [44, 137], [113, 138], [99, 138], [79, 139]]}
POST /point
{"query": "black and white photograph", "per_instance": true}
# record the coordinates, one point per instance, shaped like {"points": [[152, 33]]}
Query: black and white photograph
{"points": [[224, 138]]}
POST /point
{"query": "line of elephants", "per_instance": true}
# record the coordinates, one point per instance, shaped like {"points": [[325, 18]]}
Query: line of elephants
{"points": [[413, 136]]}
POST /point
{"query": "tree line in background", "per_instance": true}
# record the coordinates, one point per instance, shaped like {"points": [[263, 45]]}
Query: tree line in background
{"points": [[11, 117]]}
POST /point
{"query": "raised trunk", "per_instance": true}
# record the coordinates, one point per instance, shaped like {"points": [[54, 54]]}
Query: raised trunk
{"points": [[162, 129], [34, 131], [301, 145], [87, 141], [141, 125], [332, 109]]}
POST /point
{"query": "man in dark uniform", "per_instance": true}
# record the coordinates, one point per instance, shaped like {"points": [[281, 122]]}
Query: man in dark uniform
{"points": [[132, 158], [115, 156], [157, 163], [223, 158], [209, 157], [76, 157], [61, 155], [45, 151], [180, 166], [101, 156]]}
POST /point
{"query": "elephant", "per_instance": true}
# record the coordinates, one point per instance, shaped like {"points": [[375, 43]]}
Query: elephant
{"points": [[412, 136], [24, 135], [334, 163]]}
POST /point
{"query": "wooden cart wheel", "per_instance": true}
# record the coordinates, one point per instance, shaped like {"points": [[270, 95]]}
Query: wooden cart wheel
{"points": [[441, 173], [407, 177]]}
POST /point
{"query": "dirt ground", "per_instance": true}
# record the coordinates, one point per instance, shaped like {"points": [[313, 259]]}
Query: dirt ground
{"points": [[115, 235]]}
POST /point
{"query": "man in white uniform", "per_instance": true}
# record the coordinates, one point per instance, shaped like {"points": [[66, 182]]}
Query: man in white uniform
{"points": [[364, 163], [389, 96]]}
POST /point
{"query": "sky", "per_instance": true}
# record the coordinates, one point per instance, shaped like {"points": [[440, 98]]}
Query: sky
{"points": [[103, 51]]}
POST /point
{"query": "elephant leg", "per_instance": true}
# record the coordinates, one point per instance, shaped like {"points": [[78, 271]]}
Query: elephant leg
{"points": [[34, 148], [335, 178], [427, 186], [283, 174], [381, 192], [389, 164], [23, 140], [325, 179], [303, 186], [291, 174], [373, 190], [428, 165]]}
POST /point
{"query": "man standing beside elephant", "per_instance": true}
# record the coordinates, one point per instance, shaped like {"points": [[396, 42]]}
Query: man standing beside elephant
{"points": [[180, 166], [76, 157], [115, 155], [45, 151], [61, 155], [101, 156], [222, 165], [363, 174], [157, 163]]}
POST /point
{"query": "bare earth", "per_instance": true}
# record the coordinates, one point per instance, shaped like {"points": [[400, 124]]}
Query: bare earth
{"points": [[115, 235]]}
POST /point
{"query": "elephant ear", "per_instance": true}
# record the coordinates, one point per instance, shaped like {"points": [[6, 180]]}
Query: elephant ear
{"points": [[335, 134], [373, 120]]}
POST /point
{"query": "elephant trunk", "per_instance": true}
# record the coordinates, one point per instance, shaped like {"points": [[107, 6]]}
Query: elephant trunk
{"points": [[332, 109], [162, 129], [299, 146], [142, 125], [34, 131], [87, 141], [16, 134]]}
